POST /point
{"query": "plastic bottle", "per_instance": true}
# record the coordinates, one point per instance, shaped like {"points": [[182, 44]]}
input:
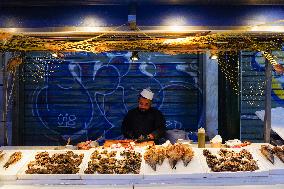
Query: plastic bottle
{"points": [[201, 138]]}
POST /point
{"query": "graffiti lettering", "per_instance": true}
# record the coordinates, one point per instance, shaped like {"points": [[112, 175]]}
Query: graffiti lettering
{"points": [[66, 121], [173, 124]]}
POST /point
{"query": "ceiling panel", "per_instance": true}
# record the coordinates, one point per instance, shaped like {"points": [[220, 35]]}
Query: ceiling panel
{"points": [[119, 2]]}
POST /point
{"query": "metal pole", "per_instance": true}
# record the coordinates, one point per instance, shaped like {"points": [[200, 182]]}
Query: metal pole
{"points": [[267, 115], [240, 89], [4, 112], [202, 66]]}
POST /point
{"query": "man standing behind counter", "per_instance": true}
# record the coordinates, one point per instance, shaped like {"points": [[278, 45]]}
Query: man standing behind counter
{"points": [[144, 122]]}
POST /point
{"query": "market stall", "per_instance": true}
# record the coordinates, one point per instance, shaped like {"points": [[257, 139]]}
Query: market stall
{"points": [[177, 163], [80, 85]]}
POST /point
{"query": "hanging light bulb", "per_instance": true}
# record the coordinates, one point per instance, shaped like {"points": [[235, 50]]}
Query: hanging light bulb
{"points": [[134, 56], [54, 55], [213, 57], [57, 55]]}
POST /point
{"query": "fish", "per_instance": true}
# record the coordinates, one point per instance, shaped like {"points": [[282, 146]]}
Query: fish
{"points": [[175, 153], [1, 154], [153, 166], [161, 152], [280, 156], [16, 156], [267, 151], [151, 158], [188, 155], [173, 163], [279, 152]]}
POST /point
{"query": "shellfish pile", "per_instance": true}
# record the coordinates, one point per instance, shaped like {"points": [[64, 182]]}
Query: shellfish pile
{"points": [[109, 162], [59, 163], [156, 155], [230, 161], [15, 157]]}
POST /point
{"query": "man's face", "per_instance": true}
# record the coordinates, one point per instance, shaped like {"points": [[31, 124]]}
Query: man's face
{"points": [[144, 104]]}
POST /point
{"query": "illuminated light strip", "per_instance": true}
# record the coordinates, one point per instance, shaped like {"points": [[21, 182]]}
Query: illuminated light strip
{"points": [[270, 58]]}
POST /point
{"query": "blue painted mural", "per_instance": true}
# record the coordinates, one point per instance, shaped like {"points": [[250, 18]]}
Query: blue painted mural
{"points": [[85, 95], [277, 93]]}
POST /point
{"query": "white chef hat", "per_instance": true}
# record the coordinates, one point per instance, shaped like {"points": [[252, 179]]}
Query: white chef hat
{"points": [[147, 93]]}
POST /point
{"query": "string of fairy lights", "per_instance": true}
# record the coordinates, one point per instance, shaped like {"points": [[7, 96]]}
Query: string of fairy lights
{"points": [[252, 90], [225, 45], [229, 64], [253, 93]]}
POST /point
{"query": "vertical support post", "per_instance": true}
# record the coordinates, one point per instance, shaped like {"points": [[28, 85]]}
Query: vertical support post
{"points": [[4, 100], [240, 90], [202, 85], [16, 115], [267, 115], [132, 16], [210, 90]]}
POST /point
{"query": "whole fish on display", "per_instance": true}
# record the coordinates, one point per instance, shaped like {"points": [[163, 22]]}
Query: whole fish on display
{"points": [[15, 157], [267, 151], [279, 152]]}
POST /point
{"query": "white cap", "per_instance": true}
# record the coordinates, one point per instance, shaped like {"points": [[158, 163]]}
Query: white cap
{"points": [[147, 93]]}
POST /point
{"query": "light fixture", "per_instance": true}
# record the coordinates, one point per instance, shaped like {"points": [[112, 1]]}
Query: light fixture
{"points": [[267, 28], [54, 55], [92, 21], [134, 56], [176, 23], [213, 57], [57, 55]]}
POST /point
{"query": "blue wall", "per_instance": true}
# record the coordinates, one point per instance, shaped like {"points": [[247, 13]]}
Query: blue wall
{"points": [[87, 95], [147, 15], [208, 15], [38, 17]]}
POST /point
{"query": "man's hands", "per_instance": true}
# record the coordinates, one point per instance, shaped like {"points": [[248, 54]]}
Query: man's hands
{"points": [[142, 137], [151, 136]]}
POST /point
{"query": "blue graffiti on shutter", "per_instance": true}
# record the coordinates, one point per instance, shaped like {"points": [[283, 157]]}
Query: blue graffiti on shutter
{"points": [[86, 95]]}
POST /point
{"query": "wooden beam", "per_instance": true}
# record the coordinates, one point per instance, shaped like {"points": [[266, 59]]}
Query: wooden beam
{"points": [[267, 115]]}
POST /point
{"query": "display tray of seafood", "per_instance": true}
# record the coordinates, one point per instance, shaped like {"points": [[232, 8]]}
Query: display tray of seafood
{"points": [[54, 164], [113, 164], [273, 156], [11, 161], [172, 161], [233, 163]]}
